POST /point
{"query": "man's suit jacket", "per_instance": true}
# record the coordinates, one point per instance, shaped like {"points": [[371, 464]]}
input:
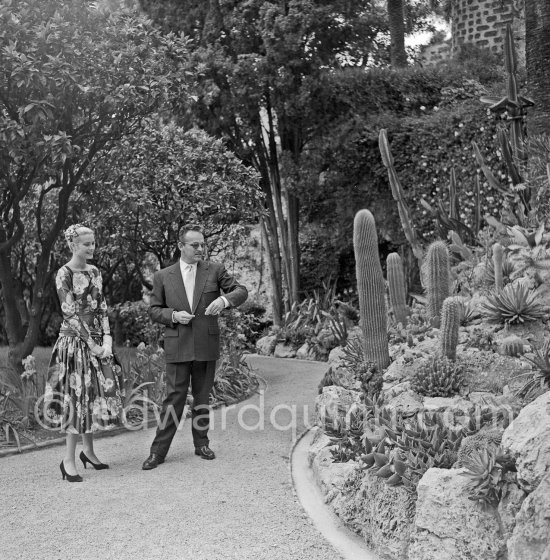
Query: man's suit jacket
{"points": [[200, 339]]}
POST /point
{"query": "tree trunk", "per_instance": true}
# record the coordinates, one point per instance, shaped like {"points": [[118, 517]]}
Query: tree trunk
{"points": [[396, 20], [537, 50]]}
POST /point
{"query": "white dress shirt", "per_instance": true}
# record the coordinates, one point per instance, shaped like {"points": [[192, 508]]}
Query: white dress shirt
{"points": [[188, 273]]}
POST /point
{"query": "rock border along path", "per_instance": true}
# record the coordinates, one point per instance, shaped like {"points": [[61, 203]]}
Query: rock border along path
{"points": [[242, 505]]}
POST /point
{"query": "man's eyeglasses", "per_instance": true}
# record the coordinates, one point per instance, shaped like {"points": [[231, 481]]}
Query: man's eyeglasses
{"points": [[196, 245]]}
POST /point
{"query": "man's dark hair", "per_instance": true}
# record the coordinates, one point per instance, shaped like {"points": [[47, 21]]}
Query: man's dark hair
{"points": [[186, 228]]}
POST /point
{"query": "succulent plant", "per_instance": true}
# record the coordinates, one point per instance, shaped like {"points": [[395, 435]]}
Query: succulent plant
{"points": [[468, 311], [485, 468], [438, 377], [397, 288], [436, 277], [498, 254], [540, 382], [515, 303], [450, 324], [512, 346], [471, 445], [371, 289]]}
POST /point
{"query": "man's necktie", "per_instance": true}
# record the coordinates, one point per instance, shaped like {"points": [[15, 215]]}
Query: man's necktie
{"points": [[189, 282]]}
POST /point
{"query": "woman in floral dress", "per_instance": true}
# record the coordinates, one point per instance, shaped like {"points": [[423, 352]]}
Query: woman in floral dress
{"points": [[84, 388]]}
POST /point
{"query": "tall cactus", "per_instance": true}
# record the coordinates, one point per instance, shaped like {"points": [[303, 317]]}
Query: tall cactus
{"points": [[371, 288], [450, 323], [397, 287], [498, 253], [437, 278]]}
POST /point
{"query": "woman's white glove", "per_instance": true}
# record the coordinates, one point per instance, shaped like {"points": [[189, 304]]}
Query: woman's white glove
{"points": [[108, 344], [98, 351]]}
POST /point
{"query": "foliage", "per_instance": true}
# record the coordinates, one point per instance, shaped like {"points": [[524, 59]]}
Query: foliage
{"points": [[413, 445], [485, 469], [438, 377], [75, 78], [131, 322], [234, 380], [166, 177], [515, 303]]}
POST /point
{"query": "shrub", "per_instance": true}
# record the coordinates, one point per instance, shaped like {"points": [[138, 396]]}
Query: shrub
{"points": [[438, 377]]}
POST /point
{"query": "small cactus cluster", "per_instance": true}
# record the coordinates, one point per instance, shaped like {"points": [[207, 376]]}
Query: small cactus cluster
{"points": [[370, 378], [438, 377], [437, 278], [512, 346], [450, 323], [397, 288], [371, 290]]}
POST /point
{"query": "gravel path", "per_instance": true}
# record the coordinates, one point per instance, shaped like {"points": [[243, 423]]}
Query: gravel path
{"points": [[242, 505]]}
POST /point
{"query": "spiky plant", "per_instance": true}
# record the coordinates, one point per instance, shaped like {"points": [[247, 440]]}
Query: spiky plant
{"points": [[438, 377], [540, 382], [515, 303], [436, 278], [397, 288], [450, 324]]}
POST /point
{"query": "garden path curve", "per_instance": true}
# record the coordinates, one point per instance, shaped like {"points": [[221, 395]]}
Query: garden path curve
{"points": [[242, 505]]}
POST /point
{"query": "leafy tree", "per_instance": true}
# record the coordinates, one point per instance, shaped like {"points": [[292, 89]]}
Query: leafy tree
{"points": [[259, 67], [74, 78], [167, 177]]}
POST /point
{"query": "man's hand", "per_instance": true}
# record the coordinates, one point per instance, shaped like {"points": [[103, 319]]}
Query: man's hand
{"points": [[182, 317], [216, 307]]}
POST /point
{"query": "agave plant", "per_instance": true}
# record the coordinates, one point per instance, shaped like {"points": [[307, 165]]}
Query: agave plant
{"points": [[540, 382], [515, 303]]}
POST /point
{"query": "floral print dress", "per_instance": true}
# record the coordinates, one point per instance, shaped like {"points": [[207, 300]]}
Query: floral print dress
{"points": [[83, 392]]}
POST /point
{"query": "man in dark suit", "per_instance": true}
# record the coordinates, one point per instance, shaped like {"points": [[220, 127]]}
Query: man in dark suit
{"points": [[186, 299]]}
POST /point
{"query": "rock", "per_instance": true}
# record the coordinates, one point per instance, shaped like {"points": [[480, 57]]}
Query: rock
{"points": [[407, 402], [305, 352], [284, 351], [449, 525], [392, 390], [530, 539], [379, 513], [333, 404], [336, 356], [266, 345], [509, 506], [330, 476], [320, 441], [527, 438], [454, 410]]}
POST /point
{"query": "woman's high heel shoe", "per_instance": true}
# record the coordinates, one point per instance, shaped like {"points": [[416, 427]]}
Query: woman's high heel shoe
{"points": [[97, 466], [69, 477]]}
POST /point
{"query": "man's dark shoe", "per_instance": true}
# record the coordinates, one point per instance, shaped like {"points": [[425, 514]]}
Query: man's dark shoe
{"points": [[152, 462], [205, 452]]}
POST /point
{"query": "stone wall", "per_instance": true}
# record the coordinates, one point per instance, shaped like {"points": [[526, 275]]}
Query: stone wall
{"points": [[481, 23]]}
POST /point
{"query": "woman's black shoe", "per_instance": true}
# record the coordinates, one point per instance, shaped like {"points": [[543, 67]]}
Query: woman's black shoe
{"points": [[69, 477], [97, 466]]}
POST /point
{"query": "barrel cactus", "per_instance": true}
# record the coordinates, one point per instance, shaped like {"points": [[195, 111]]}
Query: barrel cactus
{"points": [[498, 253], [450, 323], [437, 278], [512, 346], [371, 290], [397, 288]]}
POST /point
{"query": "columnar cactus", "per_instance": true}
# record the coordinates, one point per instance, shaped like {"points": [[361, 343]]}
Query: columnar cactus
{"points": [[450, 323], [397, 287], [437, 278], [371, 288], [498, 253]]}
